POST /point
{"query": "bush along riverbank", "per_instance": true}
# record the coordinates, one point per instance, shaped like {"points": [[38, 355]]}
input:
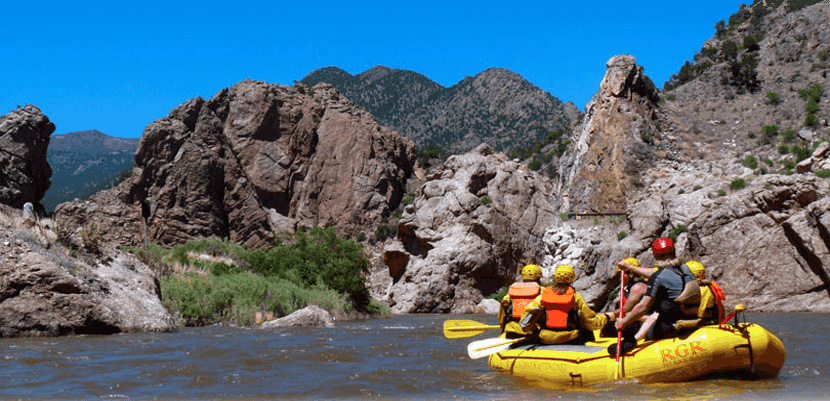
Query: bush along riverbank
{"points": [[215, 281]]}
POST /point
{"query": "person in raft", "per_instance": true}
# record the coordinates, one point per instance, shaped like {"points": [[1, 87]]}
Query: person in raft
{"points": [[562, 314], [710, 310], [519, 295], [672, 291], [635, 288]]}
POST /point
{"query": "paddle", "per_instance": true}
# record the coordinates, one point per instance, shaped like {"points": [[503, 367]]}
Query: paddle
{"points": [[619, 332], [490, 346], [465, 328]]}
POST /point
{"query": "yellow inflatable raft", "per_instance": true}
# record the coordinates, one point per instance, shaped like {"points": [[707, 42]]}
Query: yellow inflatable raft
{"points": [[742, 350]]}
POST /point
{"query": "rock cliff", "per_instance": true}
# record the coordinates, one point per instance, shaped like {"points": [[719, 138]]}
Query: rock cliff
{"points": [[764, 238], [24, 171], [475, 222], [613, 141], [255, 160], [46, 292]]}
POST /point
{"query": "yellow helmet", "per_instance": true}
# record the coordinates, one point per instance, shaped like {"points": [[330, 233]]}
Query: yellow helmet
{"points": [[531, 272], [631, 261], [697, 268], [564, 274]]}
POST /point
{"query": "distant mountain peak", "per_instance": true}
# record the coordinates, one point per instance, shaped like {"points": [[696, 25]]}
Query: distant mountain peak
{"points": [[91, 141], [497, 106]]}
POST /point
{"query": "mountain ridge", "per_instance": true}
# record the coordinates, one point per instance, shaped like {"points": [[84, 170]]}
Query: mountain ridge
{"points": [[502, 106], [91, 158]]}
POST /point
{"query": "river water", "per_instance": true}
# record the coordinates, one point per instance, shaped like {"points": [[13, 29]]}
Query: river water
{"points": [[403, 357]]}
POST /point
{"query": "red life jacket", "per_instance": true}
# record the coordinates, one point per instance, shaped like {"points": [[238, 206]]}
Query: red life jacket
{"points": [[719, 297], [522, 294], [557, 306]]}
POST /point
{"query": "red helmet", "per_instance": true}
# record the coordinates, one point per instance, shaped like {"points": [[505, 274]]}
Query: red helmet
{"points": [[663, 246]]}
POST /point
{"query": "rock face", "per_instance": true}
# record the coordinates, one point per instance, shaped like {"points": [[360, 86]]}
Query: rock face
{"points": [[255, 160], [46, 292], [310, 316], [478, 219], [612, 142], [24, 172]]}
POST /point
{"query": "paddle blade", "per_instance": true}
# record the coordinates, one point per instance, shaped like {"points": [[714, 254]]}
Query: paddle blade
{"points": [[465, 328], [490, 346]]}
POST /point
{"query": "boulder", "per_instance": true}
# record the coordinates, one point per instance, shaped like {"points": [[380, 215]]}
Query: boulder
{"points": [[310, 316], [488, 306], [46, 292], [24, 171]]}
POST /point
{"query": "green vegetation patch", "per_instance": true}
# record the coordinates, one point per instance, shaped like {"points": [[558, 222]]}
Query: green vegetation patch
{"points": [[304, 268]]}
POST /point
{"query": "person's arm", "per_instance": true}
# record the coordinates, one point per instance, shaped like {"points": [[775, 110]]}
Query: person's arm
{"points": [[639, 311], [533, 311], [504, 313], [634, 296], [642, 271], [690, 294], [587, 317]]}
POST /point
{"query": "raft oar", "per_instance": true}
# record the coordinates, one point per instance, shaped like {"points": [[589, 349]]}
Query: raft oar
{"points": [[465, 328], [490, 346], [619, 332]]}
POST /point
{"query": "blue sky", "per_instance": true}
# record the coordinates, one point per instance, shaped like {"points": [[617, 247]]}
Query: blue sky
{"points": [[117, 66]]}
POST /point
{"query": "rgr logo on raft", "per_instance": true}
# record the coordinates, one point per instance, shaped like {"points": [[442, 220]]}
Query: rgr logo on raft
{"points": [[680, 352]]}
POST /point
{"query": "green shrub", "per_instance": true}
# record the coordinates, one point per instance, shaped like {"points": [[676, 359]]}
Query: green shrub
{"points": [[737, 184], [720, 28], [681, 192], [729, 50], [772, 97], [811, 106], [92, 240], [750, 43], [676, 231], [384, 231], [408, 199], [811, 93], [621, 235], [750, 161], [788, 135], [547, 157], [564, 216], [721, 192], [485, 200], [770, 130], [222, 268], [789, 164], [535, 165], [235, 298], [498, 296], [801, 153], [783, 149], [810, 120], [822, 55], [697, 187], [823, 173]]}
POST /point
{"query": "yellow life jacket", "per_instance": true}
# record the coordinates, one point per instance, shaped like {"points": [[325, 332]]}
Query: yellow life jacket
{"points": [[522, 294], [557, 306]]}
